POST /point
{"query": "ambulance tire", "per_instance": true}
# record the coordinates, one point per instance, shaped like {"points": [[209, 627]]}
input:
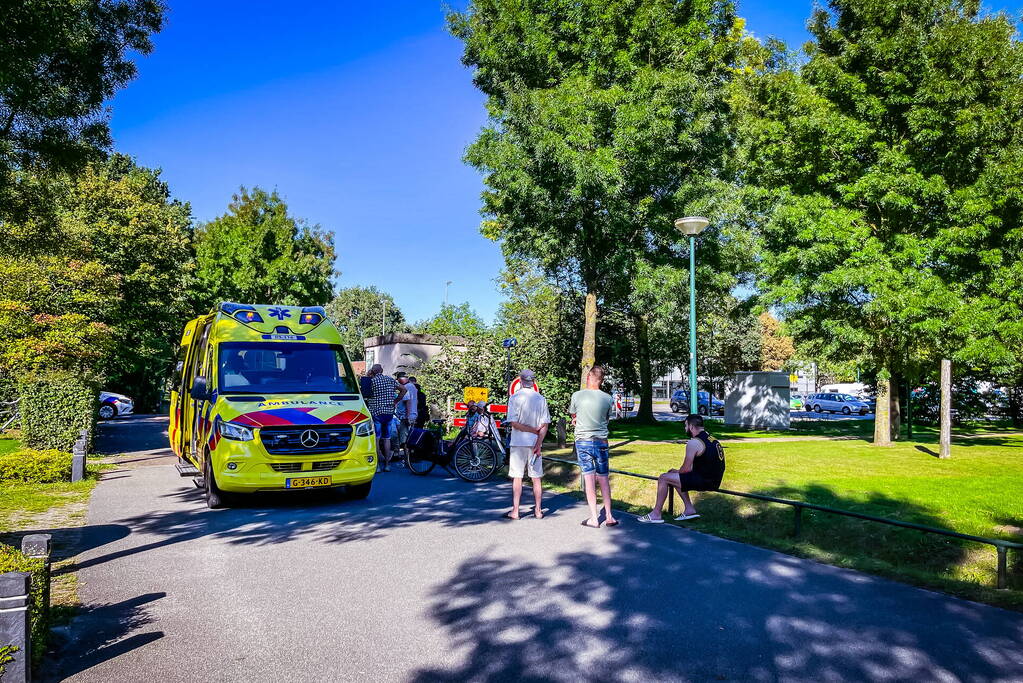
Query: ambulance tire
{"points": [[215, 498]]}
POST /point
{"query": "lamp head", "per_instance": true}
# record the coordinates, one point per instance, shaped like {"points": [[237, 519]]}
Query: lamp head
{"points": [[692, 225]]}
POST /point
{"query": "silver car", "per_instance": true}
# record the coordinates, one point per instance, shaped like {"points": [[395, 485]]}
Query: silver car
{"points": [[847, 404]]}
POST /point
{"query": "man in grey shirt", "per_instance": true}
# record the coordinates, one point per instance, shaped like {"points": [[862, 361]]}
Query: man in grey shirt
{"points": [[591, 409]]}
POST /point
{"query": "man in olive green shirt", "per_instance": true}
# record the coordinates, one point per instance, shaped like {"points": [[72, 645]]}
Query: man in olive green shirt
{"points": [[591, 409]]}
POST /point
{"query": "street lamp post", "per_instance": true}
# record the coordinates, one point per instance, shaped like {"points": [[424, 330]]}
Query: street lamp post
{"points": [[692, 226]]}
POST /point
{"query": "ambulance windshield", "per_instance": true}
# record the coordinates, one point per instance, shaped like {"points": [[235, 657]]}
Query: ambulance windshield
{"points": [[283, 368]]}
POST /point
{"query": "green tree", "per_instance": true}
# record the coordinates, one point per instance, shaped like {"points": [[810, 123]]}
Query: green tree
{"points": [[258, 253], [545, 319], [607, 121], [883, 164], [98, 286], [358, 313], [460, 320], [776, 348], [59, 62]]}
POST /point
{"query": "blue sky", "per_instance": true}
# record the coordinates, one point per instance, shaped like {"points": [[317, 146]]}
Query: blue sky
{"points": [[357, 113]]}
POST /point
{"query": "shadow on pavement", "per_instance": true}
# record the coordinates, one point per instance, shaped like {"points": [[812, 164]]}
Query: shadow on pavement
{"points": [[320, 516], [665, 613], [97, 635]]}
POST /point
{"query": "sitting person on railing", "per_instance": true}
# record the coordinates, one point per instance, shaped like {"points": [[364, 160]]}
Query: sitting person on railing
{"points": [[702, 469]]}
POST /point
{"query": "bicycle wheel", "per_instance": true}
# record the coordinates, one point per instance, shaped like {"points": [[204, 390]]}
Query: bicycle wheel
{"points": [[475, 461], [417, 464]]}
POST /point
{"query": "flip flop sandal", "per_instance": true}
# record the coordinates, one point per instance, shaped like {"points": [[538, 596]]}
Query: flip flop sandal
{"points": [[508, 515], [586, 523], [614, 523], [686, 518], [647, 519]]}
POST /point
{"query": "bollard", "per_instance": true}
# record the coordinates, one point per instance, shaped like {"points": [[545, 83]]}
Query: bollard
{"points": [[15, 627], [798, 521], [39, 546], [78, 457], [671, 501], [1003, 568]]}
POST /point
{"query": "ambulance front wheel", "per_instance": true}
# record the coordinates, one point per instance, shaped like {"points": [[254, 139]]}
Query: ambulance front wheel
{"points": [[215, 498]]}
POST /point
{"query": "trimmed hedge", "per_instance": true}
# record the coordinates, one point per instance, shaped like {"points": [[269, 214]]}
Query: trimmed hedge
{"points": [[55, 409], [35, 467], [12, 560]]}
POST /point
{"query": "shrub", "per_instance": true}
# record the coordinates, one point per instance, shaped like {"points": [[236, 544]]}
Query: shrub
{"points": [[55, 409], [12, 560], [37, 467]]}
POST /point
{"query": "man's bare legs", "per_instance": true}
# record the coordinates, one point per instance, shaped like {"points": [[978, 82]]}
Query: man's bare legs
{"points": [[516, 496], [665, 483], [590, 484], [605, 492], [385, 457], [537, 496]]}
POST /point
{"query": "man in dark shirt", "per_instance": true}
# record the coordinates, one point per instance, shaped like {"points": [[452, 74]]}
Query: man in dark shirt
{"points": [[702, 469], [386, 392]]}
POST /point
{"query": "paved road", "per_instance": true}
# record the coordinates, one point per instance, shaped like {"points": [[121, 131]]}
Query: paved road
{"points": [[424, 582]]}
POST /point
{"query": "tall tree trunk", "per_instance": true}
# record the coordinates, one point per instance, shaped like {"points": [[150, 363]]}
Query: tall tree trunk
{"points": [[646, 380], [589, 357], [882, 423], [1016, 405], [945, 441], [895, 409]]}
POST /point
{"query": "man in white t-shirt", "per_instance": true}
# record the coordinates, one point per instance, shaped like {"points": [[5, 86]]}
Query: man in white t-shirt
{"points": [[529, 419], [405, 412]]}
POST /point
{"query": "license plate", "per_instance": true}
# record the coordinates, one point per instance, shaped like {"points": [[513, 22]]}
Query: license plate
{"points": [[306, 482]]}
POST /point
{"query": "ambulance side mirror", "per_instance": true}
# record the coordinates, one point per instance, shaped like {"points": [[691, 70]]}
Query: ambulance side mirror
{"points": [[200, 392]]}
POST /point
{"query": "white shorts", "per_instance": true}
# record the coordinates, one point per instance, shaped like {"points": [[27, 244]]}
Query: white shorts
{"points": [[520, 458]]}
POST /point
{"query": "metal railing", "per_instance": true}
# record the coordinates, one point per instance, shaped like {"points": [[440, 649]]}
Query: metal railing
{"points": [[1001, 547]]}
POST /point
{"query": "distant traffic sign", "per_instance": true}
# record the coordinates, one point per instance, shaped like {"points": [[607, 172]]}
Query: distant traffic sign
{"points": [[476, 394], [517, 384]]}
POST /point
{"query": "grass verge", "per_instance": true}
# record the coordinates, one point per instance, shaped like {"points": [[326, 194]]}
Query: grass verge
{"points": [[631, 430], [978, 491]]}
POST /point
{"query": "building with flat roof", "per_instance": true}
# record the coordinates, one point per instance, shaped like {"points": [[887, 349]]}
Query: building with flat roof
{"points": [[404, 352]]}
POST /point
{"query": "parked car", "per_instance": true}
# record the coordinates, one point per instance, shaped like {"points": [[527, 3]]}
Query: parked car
{"points": [[847, 404], [795, 401], [112, 405], [708, 405]]}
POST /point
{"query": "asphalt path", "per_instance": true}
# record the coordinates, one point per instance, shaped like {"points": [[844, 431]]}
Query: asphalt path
{"points": [[424, 581]]}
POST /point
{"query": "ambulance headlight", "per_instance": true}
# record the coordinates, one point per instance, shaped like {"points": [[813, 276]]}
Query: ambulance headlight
{"points": [[235, 432], [364, 428]]}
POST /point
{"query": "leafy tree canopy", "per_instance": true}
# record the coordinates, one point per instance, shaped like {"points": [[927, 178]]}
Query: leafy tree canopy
{"points": [[98, 285], [459, 320], [889, 170], [258, 253], [607, 120], [358, 313], [60, 61]]}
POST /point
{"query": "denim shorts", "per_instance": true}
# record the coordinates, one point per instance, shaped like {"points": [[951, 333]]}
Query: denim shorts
{"points": [[592, 457], [385, 426]]}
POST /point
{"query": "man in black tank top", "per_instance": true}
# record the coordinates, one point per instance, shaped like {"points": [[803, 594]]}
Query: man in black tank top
{"points": [[702, 469]]}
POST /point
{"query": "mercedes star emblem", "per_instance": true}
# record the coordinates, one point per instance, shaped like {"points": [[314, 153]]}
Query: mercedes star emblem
{"points": [[309, 438]]}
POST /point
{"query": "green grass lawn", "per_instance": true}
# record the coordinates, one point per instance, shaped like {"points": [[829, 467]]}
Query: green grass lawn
{"points": [[666, 431], [978, 491], [19, 501], [9, 444]]}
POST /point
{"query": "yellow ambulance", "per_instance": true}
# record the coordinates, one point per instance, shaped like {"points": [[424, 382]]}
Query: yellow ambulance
{"points": [[264, 399]]}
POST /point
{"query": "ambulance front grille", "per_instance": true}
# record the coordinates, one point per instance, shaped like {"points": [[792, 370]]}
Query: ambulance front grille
{"points": [[288, 440], [286, 466]]}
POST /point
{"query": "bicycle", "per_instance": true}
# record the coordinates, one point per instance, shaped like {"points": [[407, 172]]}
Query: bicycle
{"points": [[474, 457]]}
